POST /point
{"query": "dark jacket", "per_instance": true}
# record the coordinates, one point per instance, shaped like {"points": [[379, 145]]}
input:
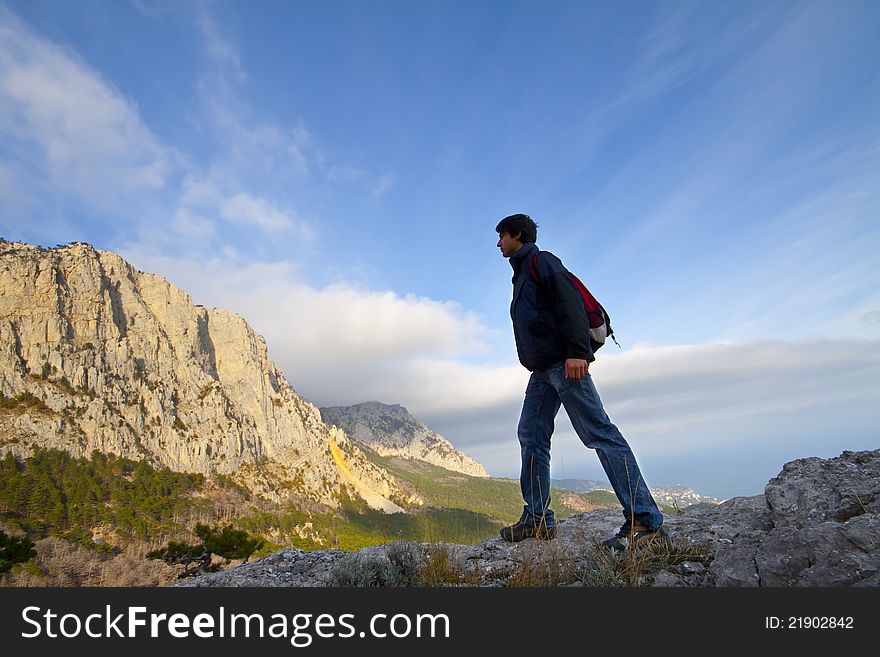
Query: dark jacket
{"points": [[549, 320]]}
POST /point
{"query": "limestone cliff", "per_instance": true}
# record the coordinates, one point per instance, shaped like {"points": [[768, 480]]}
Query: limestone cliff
{"points": [[96, 355], [391, 430]]}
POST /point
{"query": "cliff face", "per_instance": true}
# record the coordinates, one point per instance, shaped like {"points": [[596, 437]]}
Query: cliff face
{"points": [[95, 354], [391, 430]]}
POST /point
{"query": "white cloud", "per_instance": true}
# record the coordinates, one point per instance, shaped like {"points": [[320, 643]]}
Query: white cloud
{"points": [[59, 118], [343, 345], [253, 148], [383, 185], [671, 388], [221, 50], [11, 195], [246, 209], [341, 332], [259, 151], [202, 205], [723, 417], [192, 226]]}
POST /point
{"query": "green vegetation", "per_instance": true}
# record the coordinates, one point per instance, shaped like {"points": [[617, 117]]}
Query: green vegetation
{"points": [[604, 498], [358, 526], [14, 550], [52, 493], [355, 570], [497, 500], [228, 542], [24, 401], [638, 567], [545, 565], [405, 565], [403, 568], [112, 505], [355, 526], [228, 483]]}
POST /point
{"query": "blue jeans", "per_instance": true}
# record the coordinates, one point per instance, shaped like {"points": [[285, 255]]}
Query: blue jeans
{"points": [[548, 389]]}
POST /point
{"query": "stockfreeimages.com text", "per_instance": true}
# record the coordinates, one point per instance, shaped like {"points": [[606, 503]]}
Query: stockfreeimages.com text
{"points": [[300, 629]]}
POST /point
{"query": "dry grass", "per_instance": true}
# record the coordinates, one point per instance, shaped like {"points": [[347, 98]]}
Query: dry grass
{"points": [[545, 565], [60, 563], [442, 568], [639, 566]]}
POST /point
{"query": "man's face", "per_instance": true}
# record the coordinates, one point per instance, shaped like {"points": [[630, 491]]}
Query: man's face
{"points": [[508, 245]]}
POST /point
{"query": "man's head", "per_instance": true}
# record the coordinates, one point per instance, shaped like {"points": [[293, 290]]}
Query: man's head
{"points": [[514, 231]]}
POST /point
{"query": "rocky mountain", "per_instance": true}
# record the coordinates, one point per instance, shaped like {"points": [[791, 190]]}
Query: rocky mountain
{"points": [[391, 430], [681, 496], [96, 355], [817, 524], [675, 496], [580, 485]]}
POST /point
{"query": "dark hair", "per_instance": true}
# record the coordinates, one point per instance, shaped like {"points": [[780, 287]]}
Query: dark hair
{"points": [[519, 225]]}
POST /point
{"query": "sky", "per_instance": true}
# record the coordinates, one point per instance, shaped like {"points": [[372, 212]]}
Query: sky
{"points": [[334, 171]]}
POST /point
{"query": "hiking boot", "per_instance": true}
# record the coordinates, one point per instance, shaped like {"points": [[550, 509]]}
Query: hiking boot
{"points": [[632, 536], [521, 530]]}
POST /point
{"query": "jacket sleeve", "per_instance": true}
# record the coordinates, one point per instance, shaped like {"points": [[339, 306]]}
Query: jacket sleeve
{"points": [[568, 307]]}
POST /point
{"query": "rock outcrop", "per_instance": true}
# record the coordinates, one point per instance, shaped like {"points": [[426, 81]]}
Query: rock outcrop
{"points": [[817, 524], [391, 430], [96, 355]]}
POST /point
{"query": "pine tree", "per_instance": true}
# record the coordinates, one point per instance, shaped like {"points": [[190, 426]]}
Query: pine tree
{"points": [[14, 550]]}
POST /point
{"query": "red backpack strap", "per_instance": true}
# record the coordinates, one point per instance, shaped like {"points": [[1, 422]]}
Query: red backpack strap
{"points": [[533, 266]]}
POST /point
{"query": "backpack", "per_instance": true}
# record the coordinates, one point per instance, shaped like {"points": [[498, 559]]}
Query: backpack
{"points": [[597, 317]]}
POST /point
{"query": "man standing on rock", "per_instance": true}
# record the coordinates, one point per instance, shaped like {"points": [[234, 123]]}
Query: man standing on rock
{"points": [[552, 341]]}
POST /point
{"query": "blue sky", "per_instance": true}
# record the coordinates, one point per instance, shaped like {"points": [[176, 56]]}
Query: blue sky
{"points": [[333, 171]]}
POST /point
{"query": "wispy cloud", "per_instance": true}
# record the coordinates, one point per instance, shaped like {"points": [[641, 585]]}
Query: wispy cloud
{"points": [[340, 333], [266, 154], [720, 417], [156, 8], [218, 48], [68, 128], [743, 205], [383, 184], [246, 209], [254, 149], [675, 387]]}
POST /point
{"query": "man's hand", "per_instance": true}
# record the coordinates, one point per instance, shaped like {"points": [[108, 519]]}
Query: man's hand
{"points": [[576, 368]]}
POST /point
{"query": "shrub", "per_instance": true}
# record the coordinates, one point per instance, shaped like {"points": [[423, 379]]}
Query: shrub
{"points": [[405, 565], [355, 570], [14, 550], [226, 542]]}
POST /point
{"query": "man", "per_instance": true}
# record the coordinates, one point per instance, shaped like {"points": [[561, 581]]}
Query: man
{"points": [[552, 341]]}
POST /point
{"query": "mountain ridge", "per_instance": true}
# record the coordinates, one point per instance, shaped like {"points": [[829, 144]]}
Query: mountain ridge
{"points": [[678, 496], [391, 430]]}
